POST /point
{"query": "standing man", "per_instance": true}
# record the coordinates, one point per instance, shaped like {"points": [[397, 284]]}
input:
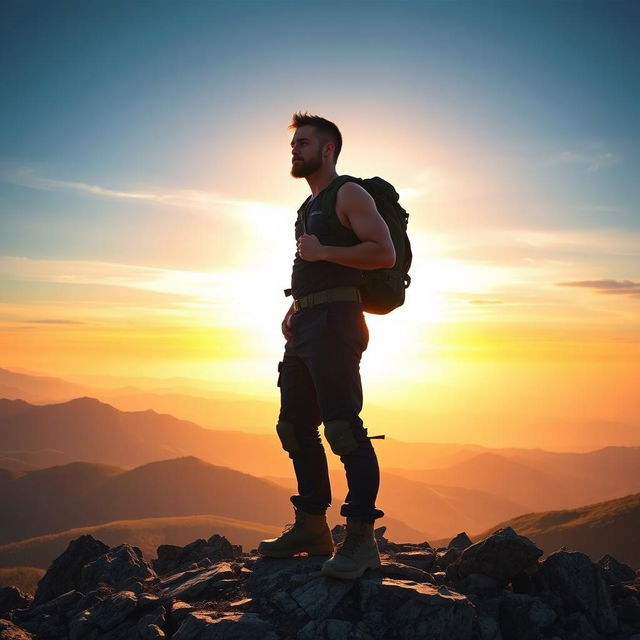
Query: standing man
{"points": [[339, 233]]}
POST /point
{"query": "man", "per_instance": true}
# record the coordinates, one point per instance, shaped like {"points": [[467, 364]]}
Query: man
{"points": [[339, 233]]}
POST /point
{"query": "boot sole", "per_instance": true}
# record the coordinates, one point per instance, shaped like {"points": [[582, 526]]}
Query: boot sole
{"points": [[346, 575]]}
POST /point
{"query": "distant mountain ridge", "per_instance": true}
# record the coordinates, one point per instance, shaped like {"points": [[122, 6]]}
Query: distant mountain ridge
{"points": [[83, 494]]}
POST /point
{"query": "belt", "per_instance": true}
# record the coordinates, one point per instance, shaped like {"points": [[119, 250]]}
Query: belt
{"points": [[337, 294]]}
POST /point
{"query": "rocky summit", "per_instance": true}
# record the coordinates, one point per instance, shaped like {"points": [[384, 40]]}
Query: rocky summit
{"points": [[495, 589]]}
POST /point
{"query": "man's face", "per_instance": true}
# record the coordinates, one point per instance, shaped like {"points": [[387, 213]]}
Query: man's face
{"points": [[306, 152]]}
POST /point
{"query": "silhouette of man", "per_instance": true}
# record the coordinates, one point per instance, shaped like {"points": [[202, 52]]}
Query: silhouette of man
{"points": [[339, 233]]}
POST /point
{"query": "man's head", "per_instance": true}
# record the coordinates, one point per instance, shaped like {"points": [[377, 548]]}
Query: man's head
{"points": [[315, 143]]}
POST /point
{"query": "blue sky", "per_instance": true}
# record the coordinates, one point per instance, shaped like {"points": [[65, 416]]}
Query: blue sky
{"points": [[144, 164]]}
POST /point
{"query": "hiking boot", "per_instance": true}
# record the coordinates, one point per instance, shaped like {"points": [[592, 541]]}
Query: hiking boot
{"points": [[356, 554], [310, 533]]}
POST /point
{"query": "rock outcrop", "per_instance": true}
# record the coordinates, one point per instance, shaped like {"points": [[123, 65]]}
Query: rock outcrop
{"points": [[495, 589]]}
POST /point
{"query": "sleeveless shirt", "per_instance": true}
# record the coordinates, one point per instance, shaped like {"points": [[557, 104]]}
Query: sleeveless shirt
{"points": [[309, 277]]}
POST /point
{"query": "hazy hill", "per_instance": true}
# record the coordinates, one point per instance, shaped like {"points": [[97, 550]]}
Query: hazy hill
{"points": [[90, 430], [81, 494], [542, 480], [36, 388], [596, 529], [145, 533]]}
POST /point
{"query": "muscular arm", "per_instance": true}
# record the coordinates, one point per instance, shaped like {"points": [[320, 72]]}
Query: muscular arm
{"points": [[375, 251]]}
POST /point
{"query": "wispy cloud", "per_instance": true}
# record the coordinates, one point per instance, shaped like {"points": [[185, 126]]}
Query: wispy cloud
{"points": [[591, 159], [54, 321], [616, 287], [186, 198]]}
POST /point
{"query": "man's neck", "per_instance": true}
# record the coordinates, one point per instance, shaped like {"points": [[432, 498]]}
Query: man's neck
{"points": [[321, 179]]}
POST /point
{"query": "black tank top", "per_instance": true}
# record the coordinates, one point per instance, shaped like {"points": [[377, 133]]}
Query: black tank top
{"points": [[321, 221]]}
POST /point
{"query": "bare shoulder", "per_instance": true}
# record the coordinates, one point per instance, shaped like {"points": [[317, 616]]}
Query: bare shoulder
{"points": [[351, 195]]}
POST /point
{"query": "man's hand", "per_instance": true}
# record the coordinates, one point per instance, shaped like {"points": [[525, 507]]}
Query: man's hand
{"points": [[309, 248], [286, 324]]}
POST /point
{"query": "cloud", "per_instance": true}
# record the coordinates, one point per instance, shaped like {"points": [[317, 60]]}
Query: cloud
{"points": [[189, 198], [54, 321], [616, 287], [593, 160]]}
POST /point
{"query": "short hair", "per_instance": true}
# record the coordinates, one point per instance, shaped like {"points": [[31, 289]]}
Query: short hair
{"points": [[327, 131]]}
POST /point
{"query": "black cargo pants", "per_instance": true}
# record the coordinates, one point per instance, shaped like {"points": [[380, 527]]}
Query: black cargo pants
{"points": [[320, 383]]}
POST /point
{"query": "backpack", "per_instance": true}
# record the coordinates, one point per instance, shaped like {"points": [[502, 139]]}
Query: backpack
{"points": [[383, 290]]}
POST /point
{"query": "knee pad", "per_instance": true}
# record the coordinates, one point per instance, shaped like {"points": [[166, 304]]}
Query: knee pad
{"points": [[339, 435], [287, 434]]}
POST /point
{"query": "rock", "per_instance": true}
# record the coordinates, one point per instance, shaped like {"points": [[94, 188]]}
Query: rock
{"points": [[64, 574], [177, 611], [9, 631], [118, 567], [443, 560], [403, 609], [460, 542], [203, 625], [614, 571], [477, 583], [50, 619], [404, 572], [628, 610], [173, 558], [319, 596], [502, 555], [580, 584], [152, 632], [111, 612], [207, 582], [326, 630], [524, 617], [12, 598], [420, 559]]}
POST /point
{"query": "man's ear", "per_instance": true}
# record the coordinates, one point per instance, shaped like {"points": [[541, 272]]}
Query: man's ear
{"points": [[328, 149]]}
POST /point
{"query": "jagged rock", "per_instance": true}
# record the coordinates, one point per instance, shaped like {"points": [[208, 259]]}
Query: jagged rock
{"points": [[576, 627], [580, 584], [443, 560], [420, 559], [401, 609], [64, 574], [118, 567], [203, 625], [319, 596], [326, 630], [460, 542], [109, 613], [488, 628], [10, 631], [208, 582], [614, 571], [404, 572], [150, 624], [628, 610], [12, 598], [50, 619], [173, 558], [152, 632], [177, 611], [524, 617], [503, 555], [477, 583]]}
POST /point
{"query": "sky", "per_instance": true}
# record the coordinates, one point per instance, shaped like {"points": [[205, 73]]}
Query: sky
{"points": [[147, 210]]}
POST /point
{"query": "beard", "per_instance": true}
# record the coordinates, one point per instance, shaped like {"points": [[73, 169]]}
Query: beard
{"points": [[305, 168]]}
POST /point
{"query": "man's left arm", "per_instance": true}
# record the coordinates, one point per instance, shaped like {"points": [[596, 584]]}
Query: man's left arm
{"points": [[375, 250]]}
